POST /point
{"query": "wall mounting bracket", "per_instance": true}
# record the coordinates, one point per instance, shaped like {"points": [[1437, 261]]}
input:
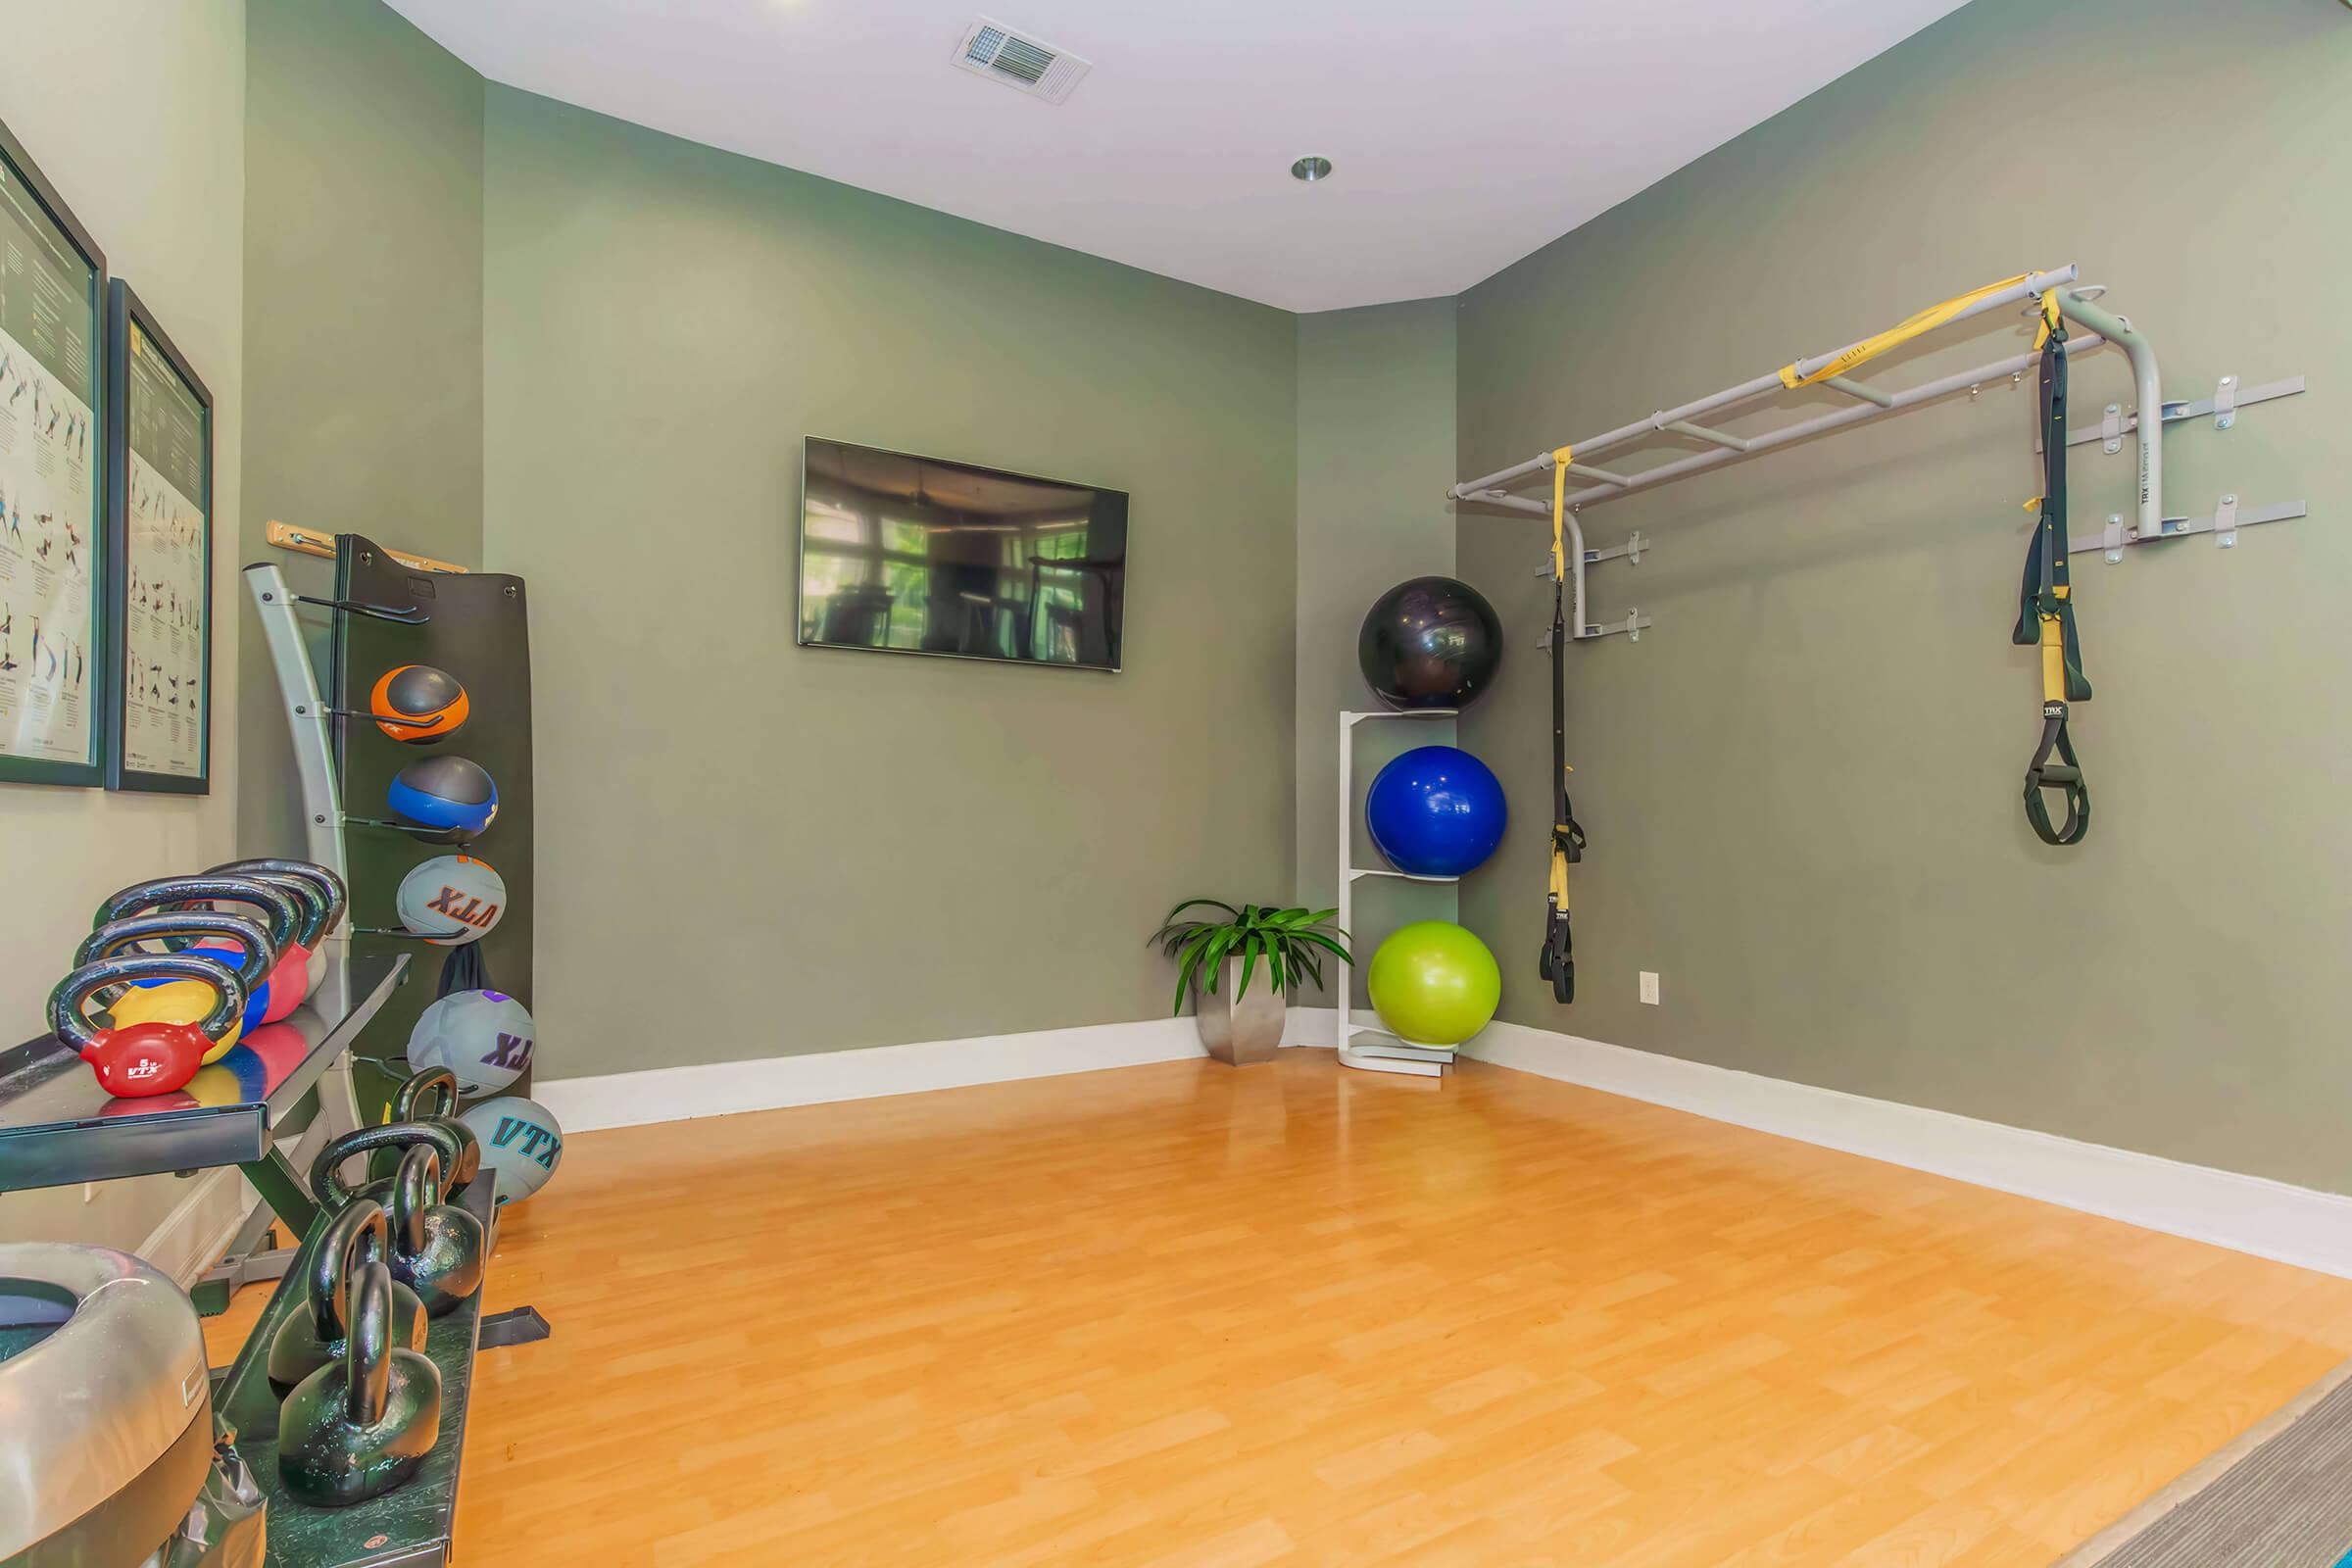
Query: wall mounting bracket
{"points": [[2228, 398], [2226, 518], [1632, 622]]}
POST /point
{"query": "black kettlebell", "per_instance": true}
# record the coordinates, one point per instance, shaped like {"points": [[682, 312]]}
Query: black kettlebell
{"points": [[314, 1334], [332, 1191], [356, 1428], [430, 1095], [438, 1250]]}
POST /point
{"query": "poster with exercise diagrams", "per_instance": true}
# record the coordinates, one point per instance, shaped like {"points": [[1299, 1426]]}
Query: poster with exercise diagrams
{"points": [[50, 578], [167, 571]]}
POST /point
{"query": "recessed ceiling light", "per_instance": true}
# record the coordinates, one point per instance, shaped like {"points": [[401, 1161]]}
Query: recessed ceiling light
{"points": [[1312, 169]]}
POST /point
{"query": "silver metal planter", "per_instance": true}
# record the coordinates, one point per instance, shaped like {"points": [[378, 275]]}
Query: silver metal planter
{"points": [[1246, 1034]]}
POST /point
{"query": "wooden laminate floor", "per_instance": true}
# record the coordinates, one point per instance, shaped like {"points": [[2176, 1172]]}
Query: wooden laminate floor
{"points": [[1183, 1314]]}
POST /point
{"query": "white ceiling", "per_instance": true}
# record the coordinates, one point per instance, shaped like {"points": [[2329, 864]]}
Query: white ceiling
{"points": [[1465, 133]]}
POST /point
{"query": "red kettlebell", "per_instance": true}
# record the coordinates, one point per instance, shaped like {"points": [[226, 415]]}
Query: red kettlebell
{"points": [[324, 899], [145, 1058]]}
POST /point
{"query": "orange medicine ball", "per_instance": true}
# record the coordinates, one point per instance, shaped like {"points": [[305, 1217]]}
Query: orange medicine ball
{"points": [[418, 704]]}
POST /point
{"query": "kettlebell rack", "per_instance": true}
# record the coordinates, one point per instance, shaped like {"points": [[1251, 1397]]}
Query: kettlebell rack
{"points": [[305, 714], [1593, 485], [412, 1524], [58, 1127], [1373, 1050]]}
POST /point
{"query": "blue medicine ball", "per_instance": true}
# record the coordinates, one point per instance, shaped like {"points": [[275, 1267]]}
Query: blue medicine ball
{"points": [[1436, 811], [449, 792]]}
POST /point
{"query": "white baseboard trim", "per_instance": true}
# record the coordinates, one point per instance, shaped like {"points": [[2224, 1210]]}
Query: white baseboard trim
{"points": [[1308, 1026], [200, 1226], [722, 1088], [2245, 1213]]}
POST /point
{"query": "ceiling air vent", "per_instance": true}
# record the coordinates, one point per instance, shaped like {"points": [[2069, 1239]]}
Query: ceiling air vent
{"points": [[993, 49]]}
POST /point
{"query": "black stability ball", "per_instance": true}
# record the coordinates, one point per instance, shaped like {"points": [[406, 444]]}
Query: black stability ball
{"points": [[1430, 642]]}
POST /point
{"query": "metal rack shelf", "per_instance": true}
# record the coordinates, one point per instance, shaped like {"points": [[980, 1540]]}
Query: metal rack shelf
{"points": [[411, 1527], [1378, 1045], [1374, 1050], [58, 1127]]}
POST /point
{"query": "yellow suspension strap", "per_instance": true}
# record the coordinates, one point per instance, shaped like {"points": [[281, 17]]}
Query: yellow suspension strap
{"points": [[2047, 613], [1870, 348], [1558, 963]]}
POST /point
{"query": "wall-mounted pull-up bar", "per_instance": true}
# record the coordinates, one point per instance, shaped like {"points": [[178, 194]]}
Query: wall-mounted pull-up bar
{"points": [[1680, 419], [1596, 484], [2046, 609]]}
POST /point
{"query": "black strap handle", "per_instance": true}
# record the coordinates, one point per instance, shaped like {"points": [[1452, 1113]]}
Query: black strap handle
{"points": [[2063, 779]]}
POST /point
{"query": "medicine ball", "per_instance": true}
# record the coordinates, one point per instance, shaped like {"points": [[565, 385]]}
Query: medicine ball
{"points": [[451, 900], [484, 1038], [1436, 811], [417, 705], [451, 794], [520, 1141], [1430, 642]]}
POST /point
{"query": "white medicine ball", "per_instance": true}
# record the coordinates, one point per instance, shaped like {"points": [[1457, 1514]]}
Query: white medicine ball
{"points": [[484, 1038], [520, 1141], [452, 900]]}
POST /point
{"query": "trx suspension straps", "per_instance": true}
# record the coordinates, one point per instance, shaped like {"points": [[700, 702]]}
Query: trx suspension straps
{"points": [[1558, 963], [2045, 610]]}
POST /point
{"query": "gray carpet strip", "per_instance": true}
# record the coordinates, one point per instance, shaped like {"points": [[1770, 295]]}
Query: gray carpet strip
{"points": [[2286, 1503]]}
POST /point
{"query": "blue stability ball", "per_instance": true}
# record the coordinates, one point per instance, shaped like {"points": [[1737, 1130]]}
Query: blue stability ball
{"points": [[447, 793], [1436, 811]]}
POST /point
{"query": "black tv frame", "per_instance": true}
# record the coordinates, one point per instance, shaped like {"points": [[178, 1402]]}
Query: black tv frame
{"points": [[800, 560]]}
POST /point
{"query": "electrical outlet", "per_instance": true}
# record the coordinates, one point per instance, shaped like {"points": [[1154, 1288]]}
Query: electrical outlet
{"points": [[1649, 987]]}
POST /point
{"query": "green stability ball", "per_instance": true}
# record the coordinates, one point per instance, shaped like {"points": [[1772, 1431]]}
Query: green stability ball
{"points": [[1434, 984]]}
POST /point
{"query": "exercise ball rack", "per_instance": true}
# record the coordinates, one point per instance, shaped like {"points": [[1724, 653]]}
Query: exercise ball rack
{"points": [[1360, 1045]]}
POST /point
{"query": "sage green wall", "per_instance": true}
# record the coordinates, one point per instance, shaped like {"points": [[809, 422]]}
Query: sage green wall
{"points": [[1375, 456], [1802, 786], [758, 849], [364, 351], [136, 112]]}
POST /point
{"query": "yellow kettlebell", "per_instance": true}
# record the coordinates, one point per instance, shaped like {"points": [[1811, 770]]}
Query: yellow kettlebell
{"points": [[173, 1001], [183, 1000]]}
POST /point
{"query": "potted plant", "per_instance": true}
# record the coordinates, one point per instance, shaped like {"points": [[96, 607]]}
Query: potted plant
{"points": [[1217, 959]]}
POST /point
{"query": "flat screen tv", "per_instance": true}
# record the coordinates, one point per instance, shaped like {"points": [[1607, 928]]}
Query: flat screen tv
{"points": [[921, 556]]}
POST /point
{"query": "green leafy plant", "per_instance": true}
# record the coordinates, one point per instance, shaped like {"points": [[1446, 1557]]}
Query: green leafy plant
{"points": [[1292, 942]]}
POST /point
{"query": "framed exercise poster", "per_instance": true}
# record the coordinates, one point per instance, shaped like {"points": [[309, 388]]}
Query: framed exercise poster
{"points": [[159, 485], [54, 640]]}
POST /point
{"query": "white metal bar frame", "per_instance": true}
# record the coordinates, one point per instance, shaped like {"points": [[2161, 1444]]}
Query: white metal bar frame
{"points": [[2033, 286], [2076, 304], [1871, 403], [1373, 1050], [315, 773], [1679, 467]]}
